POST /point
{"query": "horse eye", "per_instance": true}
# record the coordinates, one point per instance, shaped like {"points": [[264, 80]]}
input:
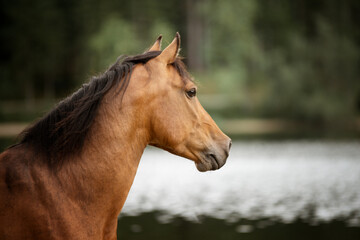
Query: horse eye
{"points": [[191, 93]]}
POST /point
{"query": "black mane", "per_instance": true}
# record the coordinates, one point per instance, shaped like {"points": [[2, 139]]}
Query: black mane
{"points": [[63, 130]]}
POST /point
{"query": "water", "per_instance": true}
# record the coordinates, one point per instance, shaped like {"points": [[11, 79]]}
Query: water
{"points": [[315, 183]]}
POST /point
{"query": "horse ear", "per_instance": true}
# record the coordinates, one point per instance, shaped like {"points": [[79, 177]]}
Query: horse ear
{"points": [[170, 53], [157, 45]]}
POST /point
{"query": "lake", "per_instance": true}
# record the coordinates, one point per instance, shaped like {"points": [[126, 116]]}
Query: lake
{"points": [[308, 189]]}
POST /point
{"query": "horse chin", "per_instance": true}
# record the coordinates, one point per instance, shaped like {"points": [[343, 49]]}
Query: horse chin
{"points": [[202, 167]]}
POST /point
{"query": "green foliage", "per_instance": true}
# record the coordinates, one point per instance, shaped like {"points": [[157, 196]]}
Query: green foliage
{"points": [[314, 78], [278, 70], [117, 36], [114, 37], [292, 59]]}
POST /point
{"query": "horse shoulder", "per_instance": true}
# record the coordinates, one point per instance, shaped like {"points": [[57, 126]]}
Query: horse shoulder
{"points": [[16, 188], [14, 172], [32, 203]]}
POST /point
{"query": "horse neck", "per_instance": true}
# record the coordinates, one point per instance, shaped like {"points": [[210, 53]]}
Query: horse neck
{"points": [[111, 155]]}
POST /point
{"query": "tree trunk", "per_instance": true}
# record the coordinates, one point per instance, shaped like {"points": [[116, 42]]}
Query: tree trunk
{"points": [[195, 36]]}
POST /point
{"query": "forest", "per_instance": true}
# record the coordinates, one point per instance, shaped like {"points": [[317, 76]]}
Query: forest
{"points": [[264, 59]]}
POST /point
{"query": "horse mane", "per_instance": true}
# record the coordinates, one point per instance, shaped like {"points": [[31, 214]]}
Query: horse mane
{"points": [[62, 131]]}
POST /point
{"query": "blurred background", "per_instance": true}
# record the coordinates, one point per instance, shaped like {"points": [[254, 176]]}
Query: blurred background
{"points": [[282, 78]]}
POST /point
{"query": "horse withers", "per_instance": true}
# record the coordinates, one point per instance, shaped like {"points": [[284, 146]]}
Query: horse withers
{"points": [[71, 172]]}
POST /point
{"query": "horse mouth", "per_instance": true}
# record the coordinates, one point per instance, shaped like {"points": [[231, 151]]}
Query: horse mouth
{"points": [[214, 162], [210, 162]]}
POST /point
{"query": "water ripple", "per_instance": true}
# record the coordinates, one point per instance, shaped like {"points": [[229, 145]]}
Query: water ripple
{"points": [[314, 181]]}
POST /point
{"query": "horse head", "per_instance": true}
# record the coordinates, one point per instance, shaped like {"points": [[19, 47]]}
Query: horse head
{"points": [[177, 121]]}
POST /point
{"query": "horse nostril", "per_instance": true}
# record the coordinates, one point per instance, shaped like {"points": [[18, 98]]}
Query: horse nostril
{"points": [[230, 143]]}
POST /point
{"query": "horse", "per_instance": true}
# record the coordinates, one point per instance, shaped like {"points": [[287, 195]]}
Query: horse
{"points": [[70, 173]]}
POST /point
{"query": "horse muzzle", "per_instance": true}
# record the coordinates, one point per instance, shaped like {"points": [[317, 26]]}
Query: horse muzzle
{"points": [[213, 158]]}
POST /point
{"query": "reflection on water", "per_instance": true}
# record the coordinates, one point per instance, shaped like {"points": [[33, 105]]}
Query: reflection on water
{"points": [[286, 181]]}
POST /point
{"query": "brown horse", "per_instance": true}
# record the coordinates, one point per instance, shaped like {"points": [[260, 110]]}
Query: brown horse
{"points": [[70, 174]]}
